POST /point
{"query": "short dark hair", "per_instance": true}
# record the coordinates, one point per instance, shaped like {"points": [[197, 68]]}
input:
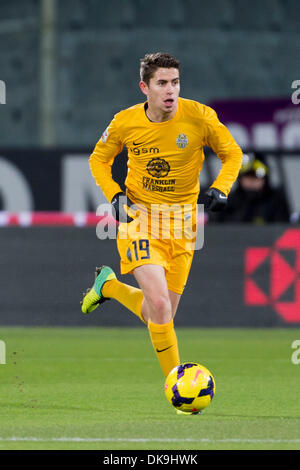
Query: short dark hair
{"points": [[151, 62]]}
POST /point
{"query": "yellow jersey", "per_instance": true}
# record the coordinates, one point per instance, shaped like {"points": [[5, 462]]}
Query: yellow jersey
{"points": [[165, 158]]}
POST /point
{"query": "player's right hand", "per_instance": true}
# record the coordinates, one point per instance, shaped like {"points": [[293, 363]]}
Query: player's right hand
{"points": [[119, 212]]}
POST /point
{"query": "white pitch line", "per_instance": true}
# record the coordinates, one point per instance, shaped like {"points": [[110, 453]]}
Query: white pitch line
{"points": [[163, 440]]}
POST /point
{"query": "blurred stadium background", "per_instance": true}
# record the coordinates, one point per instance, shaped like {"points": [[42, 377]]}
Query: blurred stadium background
{"points": [[65, 68]]}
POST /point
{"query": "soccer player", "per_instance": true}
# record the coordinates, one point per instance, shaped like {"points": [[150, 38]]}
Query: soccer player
{"points": [[164, 136]]}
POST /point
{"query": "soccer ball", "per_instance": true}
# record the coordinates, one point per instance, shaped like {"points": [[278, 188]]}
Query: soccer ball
{"points": [[190, 387]]}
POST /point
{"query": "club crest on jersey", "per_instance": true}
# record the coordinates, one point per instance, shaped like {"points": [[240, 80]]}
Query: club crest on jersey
{"points": [[105, 135], [182, 141]]}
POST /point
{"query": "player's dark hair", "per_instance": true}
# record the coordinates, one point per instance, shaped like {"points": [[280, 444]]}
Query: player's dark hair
{"points": [[151, 62]]}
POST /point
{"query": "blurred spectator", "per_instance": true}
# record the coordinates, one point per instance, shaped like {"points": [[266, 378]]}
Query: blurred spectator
{"points": [[254, 200]]}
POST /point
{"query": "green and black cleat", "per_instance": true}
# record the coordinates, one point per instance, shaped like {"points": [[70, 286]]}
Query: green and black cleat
{"points": [[93, 297]]}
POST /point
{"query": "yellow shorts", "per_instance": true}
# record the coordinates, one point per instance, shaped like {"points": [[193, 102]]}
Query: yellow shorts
{"points": [[175, 255]]}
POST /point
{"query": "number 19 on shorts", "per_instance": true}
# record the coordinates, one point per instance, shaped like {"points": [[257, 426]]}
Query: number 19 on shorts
{"points": [[141, 249]]}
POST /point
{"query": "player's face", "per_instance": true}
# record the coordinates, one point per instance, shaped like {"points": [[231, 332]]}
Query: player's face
{"points": [[163, 90]]}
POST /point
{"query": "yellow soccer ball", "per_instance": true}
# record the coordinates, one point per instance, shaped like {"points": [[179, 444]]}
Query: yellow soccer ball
{"points": [[190, 387]]}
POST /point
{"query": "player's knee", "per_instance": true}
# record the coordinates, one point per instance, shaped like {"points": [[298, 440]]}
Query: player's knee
{"points": [[162, 309]]}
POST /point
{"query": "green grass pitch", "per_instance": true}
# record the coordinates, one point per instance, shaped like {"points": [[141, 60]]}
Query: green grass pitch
{"points": [[102, 388]]}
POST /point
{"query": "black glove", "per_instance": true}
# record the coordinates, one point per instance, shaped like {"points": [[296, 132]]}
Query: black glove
{"points": [[215, 200], [119, 213]]}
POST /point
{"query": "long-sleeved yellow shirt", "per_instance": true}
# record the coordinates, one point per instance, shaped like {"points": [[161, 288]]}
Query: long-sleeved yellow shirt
{"points": [[165, 158]]}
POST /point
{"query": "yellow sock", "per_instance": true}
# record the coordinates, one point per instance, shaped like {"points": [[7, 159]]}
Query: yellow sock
{"points": [[129, 296], [164, 342]]}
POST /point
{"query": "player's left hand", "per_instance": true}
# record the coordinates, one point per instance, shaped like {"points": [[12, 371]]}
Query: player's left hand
{"points": [[216, 201]]}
